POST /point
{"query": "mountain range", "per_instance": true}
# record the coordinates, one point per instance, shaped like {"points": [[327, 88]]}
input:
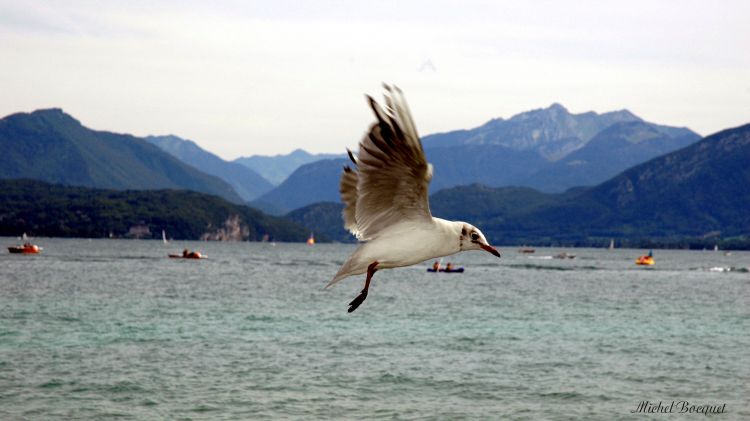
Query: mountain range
{"points": [[700, 191], [533, 148], [552, 132], [614, 149], [548, 149], [278, 167], [649, 181], [52, 146], [246, 182]]}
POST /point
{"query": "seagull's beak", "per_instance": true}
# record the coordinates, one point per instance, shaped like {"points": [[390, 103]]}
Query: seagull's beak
{"points": [[490, 249]]}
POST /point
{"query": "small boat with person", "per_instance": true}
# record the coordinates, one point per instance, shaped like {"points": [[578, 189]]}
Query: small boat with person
{"points": [[453, 270], [449, 268], [647, 260], [26, 248], [187, 254]]}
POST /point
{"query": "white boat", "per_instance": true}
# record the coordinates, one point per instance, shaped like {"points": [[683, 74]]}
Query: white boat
{"points": [[611, 244], [164, 237]]}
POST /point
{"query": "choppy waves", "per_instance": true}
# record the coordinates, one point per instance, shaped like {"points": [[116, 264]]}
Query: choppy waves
{"points": [[252, 334]]}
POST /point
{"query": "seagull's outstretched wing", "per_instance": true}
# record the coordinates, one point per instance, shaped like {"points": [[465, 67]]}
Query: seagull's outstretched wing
{"points": [[392, 178]]}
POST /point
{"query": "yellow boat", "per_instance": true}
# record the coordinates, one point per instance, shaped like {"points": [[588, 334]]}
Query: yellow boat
{"points": [[644, 260], [647, 260]]}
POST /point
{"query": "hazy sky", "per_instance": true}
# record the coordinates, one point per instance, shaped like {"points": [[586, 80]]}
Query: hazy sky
{"points": [[242, 77]]}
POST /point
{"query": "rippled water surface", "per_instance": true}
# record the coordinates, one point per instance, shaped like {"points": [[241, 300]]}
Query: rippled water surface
{"points": [[104, 328]]}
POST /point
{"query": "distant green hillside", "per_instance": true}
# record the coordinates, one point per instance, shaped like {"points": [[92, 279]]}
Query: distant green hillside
{"points": [[42, 209], [52, 146]]}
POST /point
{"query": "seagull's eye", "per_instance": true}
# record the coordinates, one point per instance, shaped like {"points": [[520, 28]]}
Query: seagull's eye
{"points": [[474, 236]]}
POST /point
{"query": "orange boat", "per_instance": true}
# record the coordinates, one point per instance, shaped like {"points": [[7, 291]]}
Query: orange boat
{"points": [[647, 260], [187, 255], [26, 248]]}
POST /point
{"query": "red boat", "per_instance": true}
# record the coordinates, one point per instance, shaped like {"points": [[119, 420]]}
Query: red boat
{"points": [[27, 248], [188, 255]]}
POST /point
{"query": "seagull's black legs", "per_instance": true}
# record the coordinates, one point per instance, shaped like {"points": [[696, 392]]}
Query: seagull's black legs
{"points": [[362, 295]]}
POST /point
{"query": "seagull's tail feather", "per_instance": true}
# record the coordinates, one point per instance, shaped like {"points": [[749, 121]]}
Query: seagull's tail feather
{"points": [[336, 279], [343, 273], [351, 267]]}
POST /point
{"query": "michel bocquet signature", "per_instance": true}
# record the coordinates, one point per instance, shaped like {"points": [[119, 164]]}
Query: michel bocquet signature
{"points": [[678, 407]]}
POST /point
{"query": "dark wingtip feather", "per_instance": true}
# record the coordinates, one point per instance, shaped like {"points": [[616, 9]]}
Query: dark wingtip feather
{"points": [[351, 156], [377, 110]]}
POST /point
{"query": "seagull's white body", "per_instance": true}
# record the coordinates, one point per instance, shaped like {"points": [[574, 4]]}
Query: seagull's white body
{"points": [[404, 244], [386, 201]]}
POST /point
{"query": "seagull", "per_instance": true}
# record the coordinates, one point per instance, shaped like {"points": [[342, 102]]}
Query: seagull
{"points": [[386, 203]]}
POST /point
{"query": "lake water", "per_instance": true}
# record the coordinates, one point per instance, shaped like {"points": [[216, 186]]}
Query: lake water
{"points": [[105, 328]]}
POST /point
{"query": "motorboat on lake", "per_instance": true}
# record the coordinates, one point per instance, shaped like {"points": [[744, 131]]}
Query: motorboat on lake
{"points": [[26, 248]]}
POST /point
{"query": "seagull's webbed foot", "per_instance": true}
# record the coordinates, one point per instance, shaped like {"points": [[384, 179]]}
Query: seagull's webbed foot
{"points": [[363, 295], [357, 301]]}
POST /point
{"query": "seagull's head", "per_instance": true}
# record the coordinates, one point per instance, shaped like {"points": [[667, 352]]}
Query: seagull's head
{"points": [[473, 239]]}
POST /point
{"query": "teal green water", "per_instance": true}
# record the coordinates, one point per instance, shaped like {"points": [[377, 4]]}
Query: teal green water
{"points": [[109, 328]]}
